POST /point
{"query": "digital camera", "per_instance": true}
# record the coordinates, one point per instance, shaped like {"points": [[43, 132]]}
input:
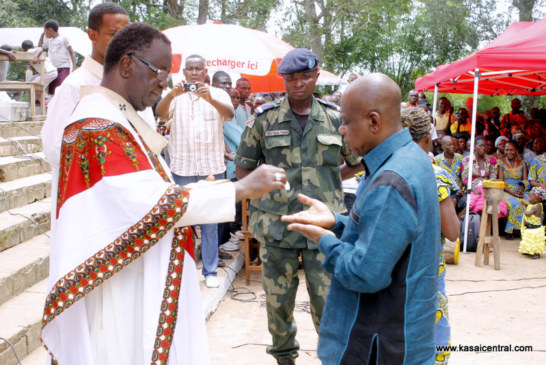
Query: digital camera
{"points": [[190, 87]]}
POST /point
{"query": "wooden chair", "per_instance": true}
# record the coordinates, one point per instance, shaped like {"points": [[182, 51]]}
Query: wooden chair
{"points": [[250, 242], [488, 241], [31, 87]]}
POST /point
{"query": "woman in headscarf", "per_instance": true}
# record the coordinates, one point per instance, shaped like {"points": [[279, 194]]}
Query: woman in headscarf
{"points": [[500, 142], [484, 167], [513, 170]]}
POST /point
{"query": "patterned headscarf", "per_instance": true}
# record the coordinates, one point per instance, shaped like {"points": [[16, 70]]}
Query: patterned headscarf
{"points": [[417, 121], [518, 134], [541, 192], [498, 140]]}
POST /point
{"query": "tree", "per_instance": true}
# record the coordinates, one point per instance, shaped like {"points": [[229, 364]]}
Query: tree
{"points": [[203, 11], [10, 16], [34, 13], [175, 8], [401, 38], [525, 9], [248, 13]]}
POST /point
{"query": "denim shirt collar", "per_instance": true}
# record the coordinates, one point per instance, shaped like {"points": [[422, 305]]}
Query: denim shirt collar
{"points": [[374, 159]]}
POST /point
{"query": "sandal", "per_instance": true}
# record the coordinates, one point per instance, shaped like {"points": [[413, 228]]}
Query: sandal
{"points": [[535, 256], [221, 263]]}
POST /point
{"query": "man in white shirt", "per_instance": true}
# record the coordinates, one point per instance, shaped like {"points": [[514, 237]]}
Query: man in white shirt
{"points": [[196, 143]]}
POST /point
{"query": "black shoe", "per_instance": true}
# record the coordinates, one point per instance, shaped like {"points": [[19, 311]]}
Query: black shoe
{"points": [[286, 361], [535, 256]]}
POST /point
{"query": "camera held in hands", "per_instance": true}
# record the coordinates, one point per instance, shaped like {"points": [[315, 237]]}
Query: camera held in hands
{"points": [[191, 87]]}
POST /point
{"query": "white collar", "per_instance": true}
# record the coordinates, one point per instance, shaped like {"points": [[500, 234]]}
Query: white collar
{"points": [[155, 141]]}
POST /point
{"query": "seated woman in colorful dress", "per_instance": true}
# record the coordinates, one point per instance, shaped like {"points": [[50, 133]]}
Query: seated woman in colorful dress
{"points": [[537, 173], [513, 170], [484, 167]]}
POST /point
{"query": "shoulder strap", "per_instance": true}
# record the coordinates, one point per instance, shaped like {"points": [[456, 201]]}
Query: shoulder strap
{"points": [[265, 107]]}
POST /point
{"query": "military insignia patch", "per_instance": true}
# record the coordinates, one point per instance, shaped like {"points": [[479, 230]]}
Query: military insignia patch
{"points": [[250, 122]]}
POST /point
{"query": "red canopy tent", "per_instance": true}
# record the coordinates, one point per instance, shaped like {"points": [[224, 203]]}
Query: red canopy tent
{"points": [[512, 64]]}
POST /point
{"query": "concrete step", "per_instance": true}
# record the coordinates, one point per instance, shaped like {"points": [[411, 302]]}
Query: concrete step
{"points": [[19, 129], [17, 167], [20, 192], [16, 227], [23, 266], [12, 146], [21, 319], [37, 357]]}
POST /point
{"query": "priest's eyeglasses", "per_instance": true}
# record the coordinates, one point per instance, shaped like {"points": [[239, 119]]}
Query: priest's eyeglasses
{"points": [[161, 74]]}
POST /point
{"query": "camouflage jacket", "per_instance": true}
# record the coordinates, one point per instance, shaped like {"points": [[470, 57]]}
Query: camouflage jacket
{"points": [[309, 157]]}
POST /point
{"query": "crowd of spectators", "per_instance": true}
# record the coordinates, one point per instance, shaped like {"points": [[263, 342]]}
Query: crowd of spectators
{"points": [[508, 147]]}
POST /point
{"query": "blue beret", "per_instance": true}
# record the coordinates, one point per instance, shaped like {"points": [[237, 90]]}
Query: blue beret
{"points": [[298, 60]]}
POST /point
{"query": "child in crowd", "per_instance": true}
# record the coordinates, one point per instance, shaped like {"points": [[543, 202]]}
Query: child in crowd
{"points": [[50, 72], [59, 51], [532, 242]]}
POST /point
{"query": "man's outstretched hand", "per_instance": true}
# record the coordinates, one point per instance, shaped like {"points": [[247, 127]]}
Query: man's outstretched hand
{"points": [[318, 213], [312, 223]]}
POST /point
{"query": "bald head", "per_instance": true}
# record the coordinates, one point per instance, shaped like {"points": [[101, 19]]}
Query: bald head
{"points": [[370, 109], [449, 146]]}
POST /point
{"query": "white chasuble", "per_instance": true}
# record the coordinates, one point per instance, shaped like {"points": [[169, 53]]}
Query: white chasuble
{"points": [[124, 284]]}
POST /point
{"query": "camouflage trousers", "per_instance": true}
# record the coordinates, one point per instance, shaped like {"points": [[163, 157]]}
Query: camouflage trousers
{"points": [[280, 282]]}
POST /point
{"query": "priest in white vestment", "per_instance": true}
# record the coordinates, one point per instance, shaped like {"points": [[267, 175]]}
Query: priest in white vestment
{"points": [[104, 20], [124, 286]]}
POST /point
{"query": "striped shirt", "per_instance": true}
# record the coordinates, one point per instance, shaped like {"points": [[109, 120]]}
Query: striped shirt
{"points": [[196, 142]]}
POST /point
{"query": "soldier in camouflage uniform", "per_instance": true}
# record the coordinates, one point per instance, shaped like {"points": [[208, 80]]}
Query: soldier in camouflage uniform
{"points": [[299, 134]]}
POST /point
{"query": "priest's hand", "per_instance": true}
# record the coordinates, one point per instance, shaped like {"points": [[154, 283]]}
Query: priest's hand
{"points": [[318, 214], [262, 180]]}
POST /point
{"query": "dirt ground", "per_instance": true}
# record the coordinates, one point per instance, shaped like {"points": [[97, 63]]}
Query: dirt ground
{"points": [[487, 307]]}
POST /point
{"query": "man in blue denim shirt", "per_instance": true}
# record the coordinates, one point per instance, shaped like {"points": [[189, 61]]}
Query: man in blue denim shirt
{"points": [[383, 257]]}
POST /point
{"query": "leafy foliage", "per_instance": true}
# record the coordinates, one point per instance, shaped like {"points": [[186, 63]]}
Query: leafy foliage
{"points": [[36, 12], [248, 13], [401, 38]]}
